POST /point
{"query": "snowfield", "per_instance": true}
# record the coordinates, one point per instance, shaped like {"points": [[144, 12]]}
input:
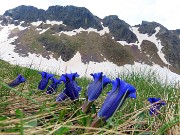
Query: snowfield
{"points": [[75, 64]]}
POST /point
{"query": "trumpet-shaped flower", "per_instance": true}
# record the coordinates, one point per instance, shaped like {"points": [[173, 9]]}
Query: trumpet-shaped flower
{"points": [[71, 87], [19, 79], [156, 105], [116, 97], [53, 86], [94, 89], [44, 81]]}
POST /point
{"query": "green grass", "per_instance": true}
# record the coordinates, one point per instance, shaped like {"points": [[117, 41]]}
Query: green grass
{"points": [[26, 110]]}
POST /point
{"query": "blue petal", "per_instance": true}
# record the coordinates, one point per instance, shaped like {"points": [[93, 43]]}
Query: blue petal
{"points": [[71, 86], [72, 90], [153, 111], [97, 76], [55, 81], [105, 81], [111, 102], [46, 75], [43, 84], [72, 76], [63, 78], [62, 96], [53, 87], [95, 88], [19, 79], [44, 81], [156, 106], [116, 97], [153, 100], [66, 77], [50, 90], [43, 74], [132, 95]]}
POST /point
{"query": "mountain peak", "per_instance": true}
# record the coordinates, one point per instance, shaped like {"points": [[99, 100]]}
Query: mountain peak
{"points": [[75, 17]]}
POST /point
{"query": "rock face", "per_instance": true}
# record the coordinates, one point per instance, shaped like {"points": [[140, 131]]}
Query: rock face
{"points": [[169, 40], [171, 45], [148, 27], [176, 32], [26, 13], [119, 29], [75, 17]]}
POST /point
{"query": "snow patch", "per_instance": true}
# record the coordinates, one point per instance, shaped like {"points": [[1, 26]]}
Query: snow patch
{"points": [[54, 22], [44, 30], [125, 43], [36, 23], [10, 27], [47, 22], [151, 38], [75, 65], [77, 31]]}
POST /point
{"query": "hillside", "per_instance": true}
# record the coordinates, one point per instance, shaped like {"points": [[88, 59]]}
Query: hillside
{"points": [[72, 39]]}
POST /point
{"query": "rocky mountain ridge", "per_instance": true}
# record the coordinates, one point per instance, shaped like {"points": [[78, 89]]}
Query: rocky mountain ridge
{"points": [[63, 31]]}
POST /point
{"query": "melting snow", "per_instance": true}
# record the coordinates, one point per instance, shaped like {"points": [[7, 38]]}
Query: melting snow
{"points": [[43, 31], [36, 23], [75, 64], [125, 43], [76, 31], [73, 32], [152, 38], [47, 22], [54, 22]]}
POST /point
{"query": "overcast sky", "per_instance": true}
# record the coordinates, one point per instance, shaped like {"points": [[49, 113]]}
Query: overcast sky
{"points": [[165, 12]]}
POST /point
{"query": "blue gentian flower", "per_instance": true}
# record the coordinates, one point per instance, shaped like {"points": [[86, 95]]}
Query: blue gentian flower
{"points": [[116, 97], [44, 81], [94, 89], [19, 79], [156, 105], [71, 87], [53, 86]]}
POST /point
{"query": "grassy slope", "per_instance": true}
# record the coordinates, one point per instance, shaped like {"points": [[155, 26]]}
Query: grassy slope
{"points": [[26, 110], [91, 46]]}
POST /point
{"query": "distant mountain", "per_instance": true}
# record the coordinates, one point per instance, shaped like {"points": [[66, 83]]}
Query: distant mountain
{"points": [[72, 16], [62, 33]]}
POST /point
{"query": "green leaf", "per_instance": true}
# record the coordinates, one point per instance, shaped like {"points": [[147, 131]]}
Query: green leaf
{"points": [[3, 118], [19, 113], [168, 125], [62, 131], [33, 123]]}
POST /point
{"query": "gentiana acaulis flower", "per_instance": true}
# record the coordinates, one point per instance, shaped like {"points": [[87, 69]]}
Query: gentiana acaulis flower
{"points": [[19, 79], [52, 88], [71, 87], [156, 105], [44, 81], [121, 90], [94, 89]]}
